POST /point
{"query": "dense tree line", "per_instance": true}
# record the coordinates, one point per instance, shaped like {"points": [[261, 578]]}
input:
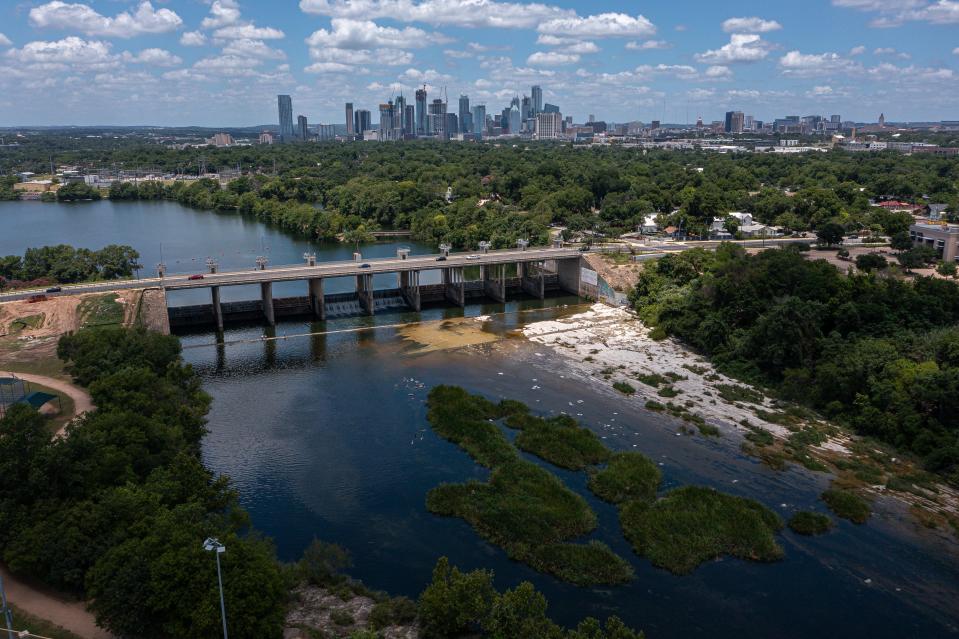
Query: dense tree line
{"points": [[324, 189], [877, 353], [116, 511], [65, 264]]}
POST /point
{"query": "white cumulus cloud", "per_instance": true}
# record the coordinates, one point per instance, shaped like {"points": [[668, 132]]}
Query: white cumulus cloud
{"points": [[193, 39], [750, 25], [70, 50], [222, 13], [742, 47], [4, 41], [815, 64], [552, 58], [648, 45], [462, 13], [249, 32], [83, 18], [155, 57], [253, 49], [346, 33], [603, 25]]}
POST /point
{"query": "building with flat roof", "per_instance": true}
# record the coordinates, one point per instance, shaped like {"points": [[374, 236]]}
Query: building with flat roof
{"points": [[942, 238]]}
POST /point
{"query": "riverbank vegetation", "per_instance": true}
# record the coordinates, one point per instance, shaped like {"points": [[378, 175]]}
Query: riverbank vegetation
{"points": [[528, 510], [325, 189], [116, 511], [873, 353], [847, 505], [64, 264]]}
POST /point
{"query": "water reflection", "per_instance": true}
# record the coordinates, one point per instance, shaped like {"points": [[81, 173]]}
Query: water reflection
{"points": [[330, 440]]}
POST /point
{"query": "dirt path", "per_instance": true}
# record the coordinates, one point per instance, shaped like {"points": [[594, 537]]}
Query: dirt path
{"points": [[71, 615], [82, 402]]}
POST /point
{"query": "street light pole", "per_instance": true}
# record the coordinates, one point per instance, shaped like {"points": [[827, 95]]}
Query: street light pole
{"points": [[212, 544]]}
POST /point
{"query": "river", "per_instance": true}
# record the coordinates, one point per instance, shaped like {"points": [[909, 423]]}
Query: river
{"points": [[325, 436]]}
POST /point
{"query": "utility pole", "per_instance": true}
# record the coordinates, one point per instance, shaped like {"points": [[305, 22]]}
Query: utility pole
{"points": [[212, 544], [5, 610]]}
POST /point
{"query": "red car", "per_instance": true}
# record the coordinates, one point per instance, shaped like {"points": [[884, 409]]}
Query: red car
{"points": [[195, 277]]}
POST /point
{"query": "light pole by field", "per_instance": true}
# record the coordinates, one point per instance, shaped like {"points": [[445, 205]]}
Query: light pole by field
{"points": [[212, 544]]}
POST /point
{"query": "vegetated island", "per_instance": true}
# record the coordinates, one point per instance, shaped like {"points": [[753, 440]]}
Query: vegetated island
{"points": [[530, 513], [523, 508]]}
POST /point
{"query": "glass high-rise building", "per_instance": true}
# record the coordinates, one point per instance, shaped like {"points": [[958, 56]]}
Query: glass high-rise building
{"points": [[537, 99], [399, 111], [285, 106], [349, 118], [421, 119], [362, 121], [479, 120], [302, 128], [464, 114]]}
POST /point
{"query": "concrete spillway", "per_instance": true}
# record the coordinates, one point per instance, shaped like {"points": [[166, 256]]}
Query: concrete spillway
{"points": [[344, 304]]}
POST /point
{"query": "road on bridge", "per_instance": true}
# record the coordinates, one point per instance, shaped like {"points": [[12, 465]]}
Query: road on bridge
{"points": [[304, 272]]}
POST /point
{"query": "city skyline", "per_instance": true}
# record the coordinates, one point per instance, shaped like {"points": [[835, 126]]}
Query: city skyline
{"points": [[223, 63]]}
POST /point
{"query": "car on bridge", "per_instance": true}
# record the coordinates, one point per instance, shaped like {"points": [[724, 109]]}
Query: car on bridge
{"points": [[198, 276], [472, 257], [364, 266], [441, 258], [54, 289]]}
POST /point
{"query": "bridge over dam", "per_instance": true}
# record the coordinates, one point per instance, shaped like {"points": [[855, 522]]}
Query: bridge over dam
{"points": [[501, 274]]}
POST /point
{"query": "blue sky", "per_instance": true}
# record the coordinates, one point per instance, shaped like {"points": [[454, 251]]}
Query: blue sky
{"points": [[222, 62]]}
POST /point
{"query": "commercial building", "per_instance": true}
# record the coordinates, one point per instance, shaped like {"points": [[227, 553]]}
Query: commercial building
{"points": [[302, 128], [734, 122], [285, 107], [942, 238], [465, 117], [479, 120], [327, 132], [349, 118], [421, 112], [515, 122], [537, 99], [549, 126], [221, 139], [386, 131], [436, 123], [362, 122]]}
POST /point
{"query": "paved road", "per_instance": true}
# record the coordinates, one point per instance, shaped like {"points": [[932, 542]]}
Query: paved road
{"points": [[303, 272]]}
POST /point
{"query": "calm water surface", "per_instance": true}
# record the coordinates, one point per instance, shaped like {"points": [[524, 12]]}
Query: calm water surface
{"points": [[326, 436]]}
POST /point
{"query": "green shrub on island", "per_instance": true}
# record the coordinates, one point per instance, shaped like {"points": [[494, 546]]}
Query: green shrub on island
{"points": [[465, 420], [760, 436], [628, 475], [809, 523], [624, 388], [522, 508], [693, 524], [559, 440], [847, 505], [653, 405], [650, 379]]}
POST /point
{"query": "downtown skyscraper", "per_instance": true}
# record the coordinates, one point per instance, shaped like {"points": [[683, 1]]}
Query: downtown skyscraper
{"points": [[285, 107]]}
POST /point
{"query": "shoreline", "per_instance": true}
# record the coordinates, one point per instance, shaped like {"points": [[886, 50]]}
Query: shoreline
{"points": [[607, 346]]}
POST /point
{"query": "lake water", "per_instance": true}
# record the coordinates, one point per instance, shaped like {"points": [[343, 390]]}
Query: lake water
{"points": [[325, 435]]}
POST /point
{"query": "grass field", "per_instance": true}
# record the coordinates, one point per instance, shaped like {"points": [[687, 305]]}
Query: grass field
{"points": [[100, 310]]}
